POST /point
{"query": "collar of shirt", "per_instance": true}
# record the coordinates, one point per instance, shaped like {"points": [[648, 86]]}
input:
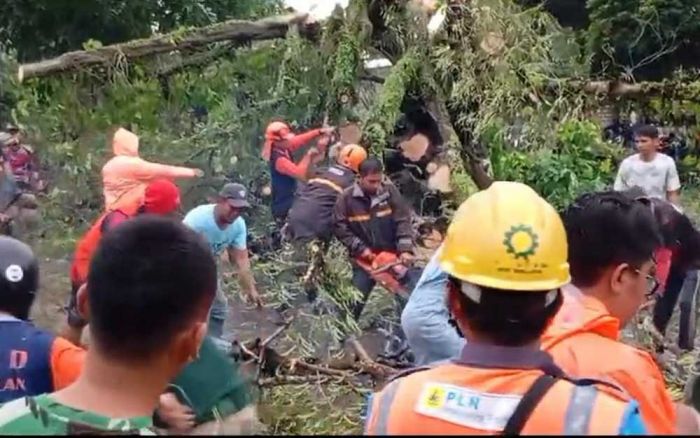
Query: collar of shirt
{"points": [[493, 356]]}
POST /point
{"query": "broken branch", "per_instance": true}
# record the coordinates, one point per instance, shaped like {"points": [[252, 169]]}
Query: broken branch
{"points": [[240, 31]]}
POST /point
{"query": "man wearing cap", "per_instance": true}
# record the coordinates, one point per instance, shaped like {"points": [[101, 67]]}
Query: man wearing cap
{"points": [[161, 197], [22, 160], [223, 227]]}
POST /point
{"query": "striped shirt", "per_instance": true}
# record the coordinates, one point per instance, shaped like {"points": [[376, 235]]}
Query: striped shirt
{"points": [[42, 415]]}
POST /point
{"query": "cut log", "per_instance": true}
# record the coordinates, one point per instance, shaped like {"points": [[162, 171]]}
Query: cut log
{"points": [[234, 30], [350, 133], [439, 179], [415, 147]]}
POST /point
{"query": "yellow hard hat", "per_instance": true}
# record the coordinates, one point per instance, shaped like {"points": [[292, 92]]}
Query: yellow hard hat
{"points": [[507, 237]]}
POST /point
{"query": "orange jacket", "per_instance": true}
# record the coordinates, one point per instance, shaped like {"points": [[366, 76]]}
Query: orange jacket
{"points": [[66, 362], [88, 244], [583, 339], [456, 399], [125, 176]]}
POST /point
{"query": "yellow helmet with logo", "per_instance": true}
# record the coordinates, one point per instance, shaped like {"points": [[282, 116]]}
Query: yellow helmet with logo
{"points": [[507, 237]]}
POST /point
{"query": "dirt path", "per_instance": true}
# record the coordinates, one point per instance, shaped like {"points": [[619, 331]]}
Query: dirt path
{"points": [[54, 289]]}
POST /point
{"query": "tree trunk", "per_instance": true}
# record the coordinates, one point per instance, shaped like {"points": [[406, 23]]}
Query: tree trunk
{"points": [[235, 30]]}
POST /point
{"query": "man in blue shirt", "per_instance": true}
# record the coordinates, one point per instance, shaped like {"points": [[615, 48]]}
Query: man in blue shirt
{"points": [[223, 227]]}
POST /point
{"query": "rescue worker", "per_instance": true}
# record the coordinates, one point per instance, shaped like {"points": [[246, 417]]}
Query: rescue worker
{"points": [[161, 197], [505, 257], [125, 176], [223, 228], [371, 217], [280, 144], [612, 239], [311, 215], [612, 243], [310, 223], [32, 361]]}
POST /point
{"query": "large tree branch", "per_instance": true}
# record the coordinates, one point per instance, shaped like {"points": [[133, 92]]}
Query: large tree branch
{"points": [[685, 90], [235, 30]]}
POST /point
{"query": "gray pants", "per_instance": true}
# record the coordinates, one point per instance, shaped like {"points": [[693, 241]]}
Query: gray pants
{"points": [[218, 312]]}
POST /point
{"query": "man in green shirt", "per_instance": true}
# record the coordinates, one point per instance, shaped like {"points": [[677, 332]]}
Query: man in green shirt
{"points": [[150, 286]]}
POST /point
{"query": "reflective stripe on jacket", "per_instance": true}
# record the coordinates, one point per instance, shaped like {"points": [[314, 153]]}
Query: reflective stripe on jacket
{"points": [[312, 212], [381, 222], [478, 393], [583, 339]]}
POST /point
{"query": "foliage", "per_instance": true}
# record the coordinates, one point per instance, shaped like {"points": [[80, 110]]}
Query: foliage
{"points": [[581, 161], [386, 111], [313, 410], [494, 60], [43, 28], [643, 38]]}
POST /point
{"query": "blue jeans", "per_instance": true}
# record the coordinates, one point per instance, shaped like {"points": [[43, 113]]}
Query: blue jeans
{"points": [[218, 312]]}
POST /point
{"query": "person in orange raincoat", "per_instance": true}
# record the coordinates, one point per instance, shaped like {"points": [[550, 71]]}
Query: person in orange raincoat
{"points": [[125, 176], [612, 241]]}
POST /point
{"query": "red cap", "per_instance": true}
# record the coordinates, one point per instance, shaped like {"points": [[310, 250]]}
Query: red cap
{"points": [[162, 197]]}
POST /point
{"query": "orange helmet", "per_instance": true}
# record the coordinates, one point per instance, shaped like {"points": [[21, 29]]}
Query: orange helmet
{"points": [[351, 156], [277, 131]]}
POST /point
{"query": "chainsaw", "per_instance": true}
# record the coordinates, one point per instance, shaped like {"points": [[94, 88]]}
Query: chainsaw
{"points": [[387, 270]]}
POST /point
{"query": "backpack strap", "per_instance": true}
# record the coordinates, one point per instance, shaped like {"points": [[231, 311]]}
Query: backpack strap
{"points": [[527, 405]]}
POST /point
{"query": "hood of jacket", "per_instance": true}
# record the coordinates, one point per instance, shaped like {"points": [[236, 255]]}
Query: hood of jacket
{"points": [[125, 143]]}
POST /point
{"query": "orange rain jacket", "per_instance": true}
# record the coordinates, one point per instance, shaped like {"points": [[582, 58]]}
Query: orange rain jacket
{"points": [[583, 339], [126, 175]]}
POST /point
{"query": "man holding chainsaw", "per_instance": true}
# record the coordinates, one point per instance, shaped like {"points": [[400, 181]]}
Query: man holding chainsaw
{"points": [[373, 221]]}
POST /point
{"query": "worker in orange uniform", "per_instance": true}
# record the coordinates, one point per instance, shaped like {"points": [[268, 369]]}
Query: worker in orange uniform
{"points": [[32, 361], [505, 257], [612, 240], [161, 197], [280, 144], [125, 176]]}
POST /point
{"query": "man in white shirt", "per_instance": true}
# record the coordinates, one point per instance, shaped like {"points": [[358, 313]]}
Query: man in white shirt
{"points": [[650, 170]]}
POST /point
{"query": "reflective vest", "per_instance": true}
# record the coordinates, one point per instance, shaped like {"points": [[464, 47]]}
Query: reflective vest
{"points": [[479, 393], [25, 360], [87, 246]]}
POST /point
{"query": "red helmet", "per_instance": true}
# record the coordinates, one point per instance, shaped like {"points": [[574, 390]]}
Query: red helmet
{"points": [[162, 196]]}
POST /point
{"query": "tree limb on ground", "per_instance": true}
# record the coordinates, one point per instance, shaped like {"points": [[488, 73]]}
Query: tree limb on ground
{"points": [[273, 368], [241, 31]]}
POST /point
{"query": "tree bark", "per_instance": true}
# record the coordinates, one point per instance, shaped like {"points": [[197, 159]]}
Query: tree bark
{"points": [[689, 90], [235, 30]]}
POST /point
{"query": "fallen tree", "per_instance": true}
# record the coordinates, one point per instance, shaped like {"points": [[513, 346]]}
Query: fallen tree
{"points": [[240, 31]]}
